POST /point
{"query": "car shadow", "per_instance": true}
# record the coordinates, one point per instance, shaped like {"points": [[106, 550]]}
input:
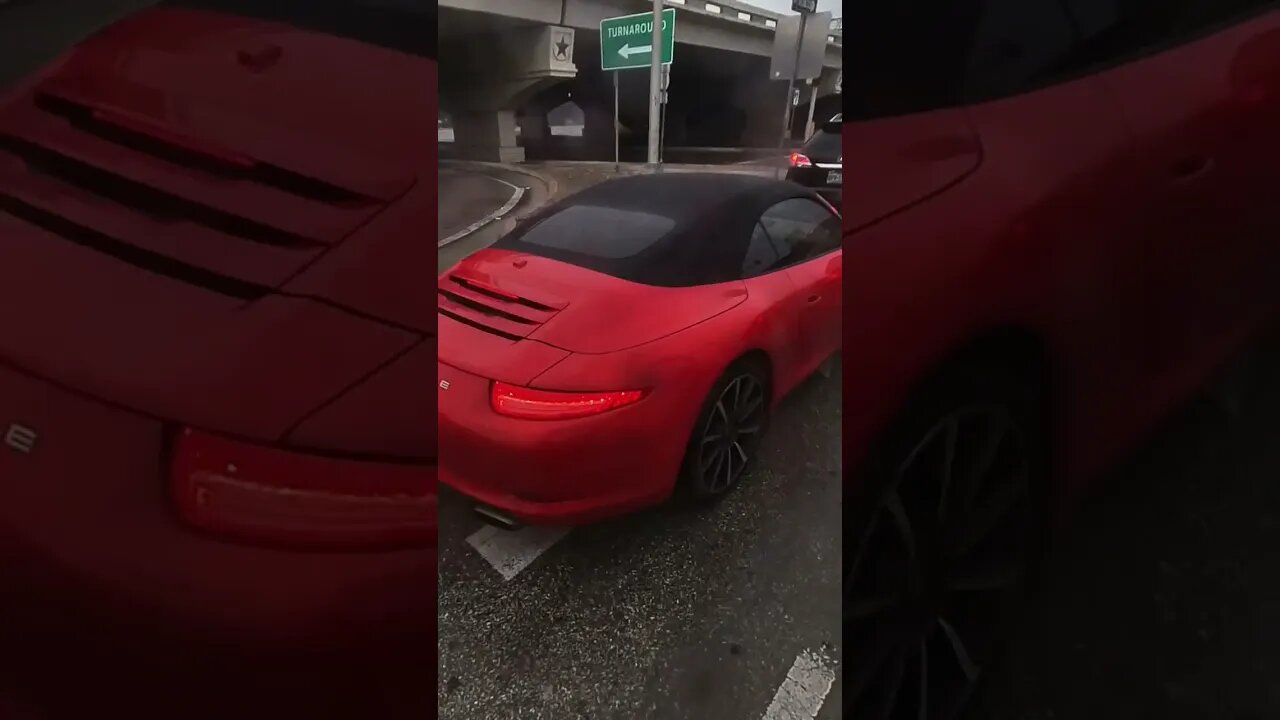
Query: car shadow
{"points": [[1163, 599]]}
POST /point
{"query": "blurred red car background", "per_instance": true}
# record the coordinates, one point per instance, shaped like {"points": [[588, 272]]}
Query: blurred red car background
{"points": [[214, 349], [1060, 222]]}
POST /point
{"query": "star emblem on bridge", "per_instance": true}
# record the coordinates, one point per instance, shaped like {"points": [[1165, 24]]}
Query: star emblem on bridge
{"points": [[562, 48]]}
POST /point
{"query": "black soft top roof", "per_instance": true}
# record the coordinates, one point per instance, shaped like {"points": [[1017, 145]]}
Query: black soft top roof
{"points": [[703, 224]]}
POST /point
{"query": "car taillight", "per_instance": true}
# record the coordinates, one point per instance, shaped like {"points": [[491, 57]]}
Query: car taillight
{"points": [[530, 404], [799, 160], [263, 494]]}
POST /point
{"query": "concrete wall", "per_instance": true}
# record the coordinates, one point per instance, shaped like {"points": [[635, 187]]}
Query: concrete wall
{"points": [[723, 32]]}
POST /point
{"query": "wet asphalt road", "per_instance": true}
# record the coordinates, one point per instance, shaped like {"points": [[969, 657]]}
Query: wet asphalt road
{"points": [[671, 613]]}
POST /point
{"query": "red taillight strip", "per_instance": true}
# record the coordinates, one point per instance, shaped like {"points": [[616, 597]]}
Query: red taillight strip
{"points": [[268, 495], [533, 404]]}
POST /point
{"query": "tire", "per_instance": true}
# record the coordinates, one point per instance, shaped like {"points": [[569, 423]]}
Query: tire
{"points": [[744, 386], [937, 560]]}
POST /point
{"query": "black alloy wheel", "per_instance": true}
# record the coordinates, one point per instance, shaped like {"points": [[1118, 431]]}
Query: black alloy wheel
{"points": [[945, 554], [728, 433]]}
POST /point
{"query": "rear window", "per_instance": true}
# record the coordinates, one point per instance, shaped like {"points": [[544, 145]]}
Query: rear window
{"points": [[639, 244], [594, 233], [407, 26], [824, 145]]}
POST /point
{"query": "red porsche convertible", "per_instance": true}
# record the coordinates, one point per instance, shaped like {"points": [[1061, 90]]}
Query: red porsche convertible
{"points": [[632, 339], [1061, 218], [211, 340]]}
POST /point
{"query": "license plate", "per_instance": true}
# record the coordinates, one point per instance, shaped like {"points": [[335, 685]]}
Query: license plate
{"points": [[833, 177]]}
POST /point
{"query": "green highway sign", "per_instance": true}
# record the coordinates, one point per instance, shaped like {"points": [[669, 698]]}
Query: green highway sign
{"points": [[627, 41]]}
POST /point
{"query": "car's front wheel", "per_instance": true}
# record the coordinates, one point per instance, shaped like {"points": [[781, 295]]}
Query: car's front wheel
{"points": [[941, 549]]}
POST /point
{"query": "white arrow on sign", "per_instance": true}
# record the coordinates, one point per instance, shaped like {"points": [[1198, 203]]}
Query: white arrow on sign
{"points": [[626, 51]]}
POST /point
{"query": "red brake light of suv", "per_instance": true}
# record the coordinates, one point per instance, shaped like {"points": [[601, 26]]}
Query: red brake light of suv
{"points": [[263, 494], [530, 404], [799, 160]]}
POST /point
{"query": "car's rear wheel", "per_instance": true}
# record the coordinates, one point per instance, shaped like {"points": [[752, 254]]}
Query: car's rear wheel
{"points": [[727, 434], [943, 547]]}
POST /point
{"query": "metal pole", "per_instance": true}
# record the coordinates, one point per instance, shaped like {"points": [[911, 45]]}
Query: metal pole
{"points": [[655, 80], [617, 165], [813, 98], [791, 86], [666, 88]]}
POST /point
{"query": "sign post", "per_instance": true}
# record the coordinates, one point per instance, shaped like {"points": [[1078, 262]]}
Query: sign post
{"points": [[813, 99], [791, 81], [655, 89], [662, 137], [629, 41], [617, 164]]}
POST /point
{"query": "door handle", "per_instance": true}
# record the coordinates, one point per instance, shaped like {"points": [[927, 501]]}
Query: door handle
{"points": [[260, 58], [814, 298], [1191, 168]]}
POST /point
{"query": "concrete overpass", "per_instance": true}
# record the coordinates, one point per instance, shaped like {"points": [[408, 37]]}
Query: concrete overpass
{"points": [[505, 63]]}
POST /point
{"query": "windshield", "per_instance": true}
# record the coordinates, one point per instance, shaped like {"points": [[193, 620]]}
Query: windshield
{"points": [[824, 145], [408, 26]]}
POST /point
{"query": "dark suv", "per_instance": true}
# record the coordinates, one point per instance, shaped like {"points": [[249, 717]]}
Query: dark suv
{"points": [[819, 164]]}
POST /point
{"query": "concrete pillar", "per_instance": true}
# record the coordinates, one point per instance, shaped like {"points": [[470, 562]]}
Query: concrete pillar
{"points": [[534, 127], [597, 131], [762, 99], [489, 136], [490, 76]]}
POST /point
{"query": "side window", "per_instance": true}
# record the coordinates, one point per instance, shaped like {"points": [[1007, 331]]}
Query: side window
{"points": [[1115, 29], [801, 230], [1017, 45], [955, 51], [761, 256], [904, 56]]}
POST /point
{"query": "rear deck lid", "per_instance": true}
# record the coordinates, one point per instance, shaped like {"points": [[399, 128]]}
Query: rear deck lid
{"points": [[161, 181], [520, 297], [210, 141]]}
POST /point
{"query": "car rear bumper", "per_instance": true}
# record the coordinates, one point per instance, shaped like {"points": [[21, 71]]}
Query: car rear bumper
{"points": [[566, 512], [558, 472], [86, 527]]}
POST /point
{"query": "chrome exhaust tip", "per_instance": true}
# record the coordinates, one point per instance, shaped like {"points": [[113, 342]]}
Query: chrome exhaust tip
{"points": [[496, 518]]}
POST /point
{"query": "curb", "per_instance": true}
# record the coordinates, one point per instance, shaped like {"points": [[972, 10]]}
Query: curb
{"points": [[495, 215], [508, 206], [553, 187]]}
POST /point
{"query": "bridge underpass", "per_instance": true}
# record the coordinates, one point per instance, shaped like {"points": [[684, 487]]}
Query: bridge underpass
{"points": [[497, 89]]}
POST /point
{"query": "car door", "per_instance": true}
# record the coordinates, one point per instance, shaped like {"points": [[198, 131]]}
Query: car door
{"points": [[1198, 84], [767, 281], [806, 235]]}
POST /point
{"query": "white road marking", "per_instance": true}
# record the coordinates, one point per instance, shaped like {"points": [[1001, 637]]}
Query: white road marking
{"points": [[802, 693], [511, 551]]}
